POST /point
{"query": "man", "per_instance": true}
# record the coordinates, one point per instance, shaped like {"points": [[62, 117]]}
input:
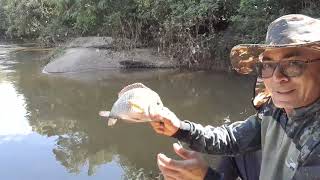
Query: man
{"points": [[286, 127]]}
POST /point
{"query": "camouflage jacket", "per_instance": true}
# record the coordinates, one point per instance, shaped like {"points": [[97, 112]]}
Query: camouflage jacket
{"points": [[289, 144]]}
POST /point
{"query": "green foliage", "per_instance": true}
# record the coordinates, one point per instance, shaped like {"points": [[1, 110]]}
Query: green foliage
{"points": [[27, 17], [252, 19], [3, 19], [197, 32], [80, 16], [191, 30]]}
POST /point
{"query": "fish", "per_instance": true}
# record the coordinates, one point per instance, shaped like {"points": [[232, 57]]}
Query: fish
{"points": [[134, 104]]}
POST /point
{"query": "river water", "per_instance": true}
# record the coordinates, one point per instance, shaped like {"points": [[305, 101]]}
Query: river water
{"points": [[50, 128]]}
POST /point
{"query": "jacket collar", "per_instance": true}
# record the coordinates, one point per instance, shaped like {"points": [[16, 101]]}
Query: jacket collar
{"points": [[302, 112]]}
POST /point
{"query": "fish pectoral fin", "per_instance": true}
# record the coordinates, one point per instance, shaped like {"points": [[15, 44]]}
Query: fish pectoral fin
{"points": [[138, 120], [111, 121], [133, 120], [135, 107]]}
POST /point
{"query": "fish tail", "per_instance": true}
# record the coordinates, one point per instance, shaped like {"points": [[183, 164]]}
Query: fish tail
{"points": [[104, 113]]}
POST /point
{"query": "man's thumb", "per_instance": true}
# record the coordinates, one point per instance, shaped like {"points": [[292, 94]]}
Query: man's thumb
{"points": [[182, 152]]}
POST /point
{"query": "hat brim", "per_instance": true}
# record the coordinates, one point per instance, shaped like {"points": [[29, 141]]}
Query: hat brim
{"points": [[244, 56]]}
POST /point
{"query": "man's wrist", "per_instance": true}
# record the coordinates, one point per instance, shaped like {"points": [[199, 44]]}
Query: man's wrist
{"points": [[183, 131]]}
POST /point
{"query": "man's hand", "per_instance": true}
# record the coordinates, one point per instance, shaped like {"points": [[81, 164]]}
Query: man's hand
{"points": [[164, 122], [192, 167]]}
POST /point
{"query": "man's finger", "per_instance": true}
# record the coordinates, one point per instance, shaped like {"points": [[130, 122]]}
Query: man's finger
{"points": [[169, 178], [158, 127], [169, 163], [169, 174], [177, 165], [159, 131], [182, 152]]}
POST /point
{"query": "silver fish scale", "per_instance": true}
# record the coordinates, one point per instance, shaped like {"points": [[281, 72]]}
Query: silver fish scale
{"points": [[143, 97]]}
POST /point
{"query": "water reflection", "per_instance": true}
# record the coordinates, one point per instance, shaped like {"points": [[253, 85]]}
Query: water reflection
{"points": [[14, 124], [64, 110], [13, 113]]}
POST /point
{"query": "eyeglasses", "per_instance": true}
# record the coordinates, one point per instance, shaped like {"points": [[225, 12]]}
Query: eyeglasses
{"points": [[289, 68]]}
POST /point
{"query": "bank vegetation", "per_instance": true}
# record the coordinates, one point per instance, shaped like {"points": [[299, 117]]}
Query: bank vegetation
{"points": [[197, 33]]}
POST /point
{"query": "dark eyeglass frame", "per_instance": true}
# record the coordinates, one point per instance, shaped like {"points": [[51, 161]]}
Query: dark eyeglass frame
{"points": [[274, 64]]}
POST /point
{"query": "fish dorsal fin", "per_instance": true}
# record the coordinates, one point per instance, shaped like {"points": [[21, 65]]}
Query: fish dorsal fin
{"points": [[131, 86]]}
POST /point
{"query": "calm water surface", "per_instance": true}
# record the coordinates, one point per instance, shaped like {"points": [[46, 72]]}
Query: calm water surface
{"points": [[50, 128]]}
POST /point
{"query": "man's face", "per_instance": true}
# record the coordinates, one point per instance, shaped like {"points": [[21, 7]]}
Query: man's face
{"points": [[293, 92]]}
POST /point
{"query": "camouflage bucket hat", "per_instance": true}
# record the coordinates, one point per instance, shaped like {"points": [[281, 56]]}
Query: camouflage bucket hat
{"points": [[294, 30]]}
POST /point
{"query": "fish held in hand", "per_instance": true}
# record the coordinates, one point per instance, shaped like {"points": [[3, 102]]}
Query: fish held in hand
{"points": [[134, 104]]}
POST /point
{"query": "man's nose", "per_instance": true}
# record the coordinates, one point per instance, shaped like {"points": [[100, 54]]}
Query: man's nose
{"points": [[278, 75]]}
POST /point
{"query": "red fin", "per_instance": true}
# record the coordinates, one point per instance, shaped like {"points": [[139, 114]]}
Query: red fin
{"points": [[111, 121]]}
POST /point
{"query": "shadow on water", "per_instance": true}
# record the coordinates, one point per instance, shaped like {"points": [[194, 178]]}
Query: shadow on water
{"points": [[66, 108]]}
